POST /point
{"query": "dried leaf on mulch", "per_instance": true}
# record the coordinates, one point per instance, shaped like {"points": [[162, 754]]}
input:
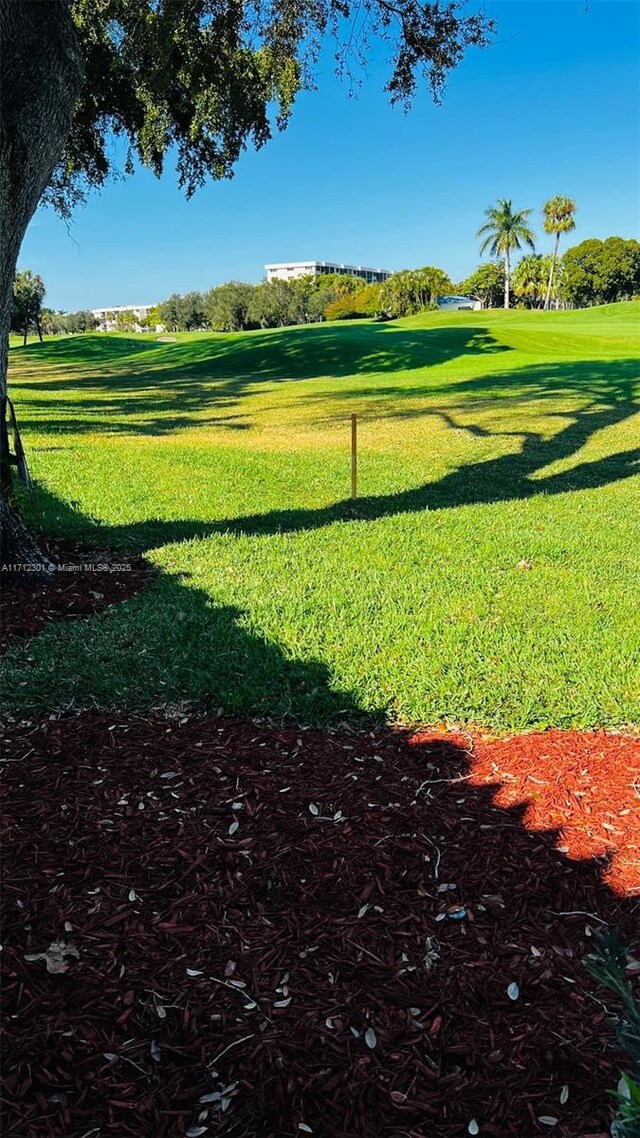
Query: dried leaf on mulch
{"points": [[294, 976], [56, 956]]}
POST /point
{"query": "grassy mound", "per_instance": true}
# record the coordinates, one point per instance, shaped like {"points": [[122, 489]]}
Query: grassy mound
{"points": [[491, 575]]}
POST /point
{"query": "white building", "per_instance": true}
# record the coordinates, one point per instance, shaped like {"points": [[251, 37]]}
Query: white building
{"points": [[108, 317], [292, 270]]}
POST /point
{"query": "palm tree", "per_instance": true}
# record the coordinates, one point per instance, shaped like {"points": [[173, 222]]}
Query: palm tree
{"points": [[529, 279], [503, 231], [558, 218]]}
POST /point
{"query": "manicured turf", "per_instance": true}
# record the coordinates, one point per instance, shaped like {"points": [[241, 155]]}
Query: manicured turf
{"points": [[492, 576]]}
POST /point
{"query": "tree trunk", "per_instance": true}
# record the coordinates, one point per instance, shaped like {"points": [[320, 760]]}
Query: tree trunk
{"points": [[41, 73], [552, 271], [21, 560], [507, 280]]}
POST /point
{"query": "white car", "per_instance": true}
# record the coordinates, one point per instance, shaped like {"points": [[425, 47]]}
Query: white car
{"points": [[458, 304]]}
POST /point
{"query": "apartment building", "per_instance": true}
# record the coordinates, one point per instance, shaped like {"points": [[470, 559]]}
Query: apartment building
{"points": [[292, 270], [108, 317]]}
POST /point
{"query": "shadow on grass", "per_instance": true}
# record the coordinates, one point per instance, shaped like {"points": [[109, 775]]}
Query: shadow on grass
{"points": [[174, 639], [603, 382], [214, 373], [510, 477], [100, 348], [168, 642], [514, 476], [203, 382]]}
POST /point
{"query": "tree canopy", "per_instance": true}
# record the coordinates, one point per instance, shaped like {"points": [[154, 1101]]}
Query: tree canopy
{"points": [[28, 295], [486, 283], [204, 78], [408, 291], [558, 215], [601, 272], [227, 306]]}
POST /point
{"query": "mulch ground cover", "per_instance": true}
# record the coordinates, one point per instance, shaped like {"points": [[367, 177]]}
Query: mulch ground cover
{"points": [[216, 927], [85, 581]]}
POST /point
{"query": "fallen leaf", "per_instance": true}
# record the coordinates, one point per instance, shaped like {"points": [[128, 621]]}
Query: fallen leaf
{"points": [[55, 956], [624, 1090]]}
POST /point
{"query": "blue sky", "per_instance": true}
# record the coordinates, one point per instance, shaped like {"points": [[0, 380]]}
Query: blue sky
{"points": [[552, 107]]}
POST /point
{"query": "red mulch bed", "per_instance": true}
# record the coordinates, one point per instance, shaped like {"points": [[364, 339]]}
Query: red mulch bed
{"points": [[283, 931], [586, 784], [85, 582]]}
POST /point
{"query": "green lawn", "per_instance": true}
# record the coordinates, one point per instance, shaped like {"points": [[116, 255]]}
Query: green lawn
{"points": [[486, 439]]}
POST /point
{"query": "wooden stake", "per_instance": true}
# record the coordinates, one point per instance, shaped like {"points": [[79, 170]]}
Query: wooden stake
{"points": [[354, 457]]}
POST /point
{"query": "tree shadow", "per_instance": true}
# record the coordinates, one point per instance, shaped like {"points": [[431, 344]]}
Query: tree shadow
{"points": [[450, 1040], [597, 382], [207, 375], [92, 347], [170, 640], [203, 382], [514, 476]]}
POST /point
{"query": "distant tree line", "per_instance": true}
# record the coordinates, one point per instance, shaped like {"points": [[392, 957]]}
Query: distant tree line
{"points": [[63, 323], [593, 272], [238, 306]]}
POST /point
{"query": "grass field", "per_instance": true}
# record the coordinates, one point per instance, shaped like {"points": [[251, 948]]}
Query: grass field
{"points": [[487, 439]]}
